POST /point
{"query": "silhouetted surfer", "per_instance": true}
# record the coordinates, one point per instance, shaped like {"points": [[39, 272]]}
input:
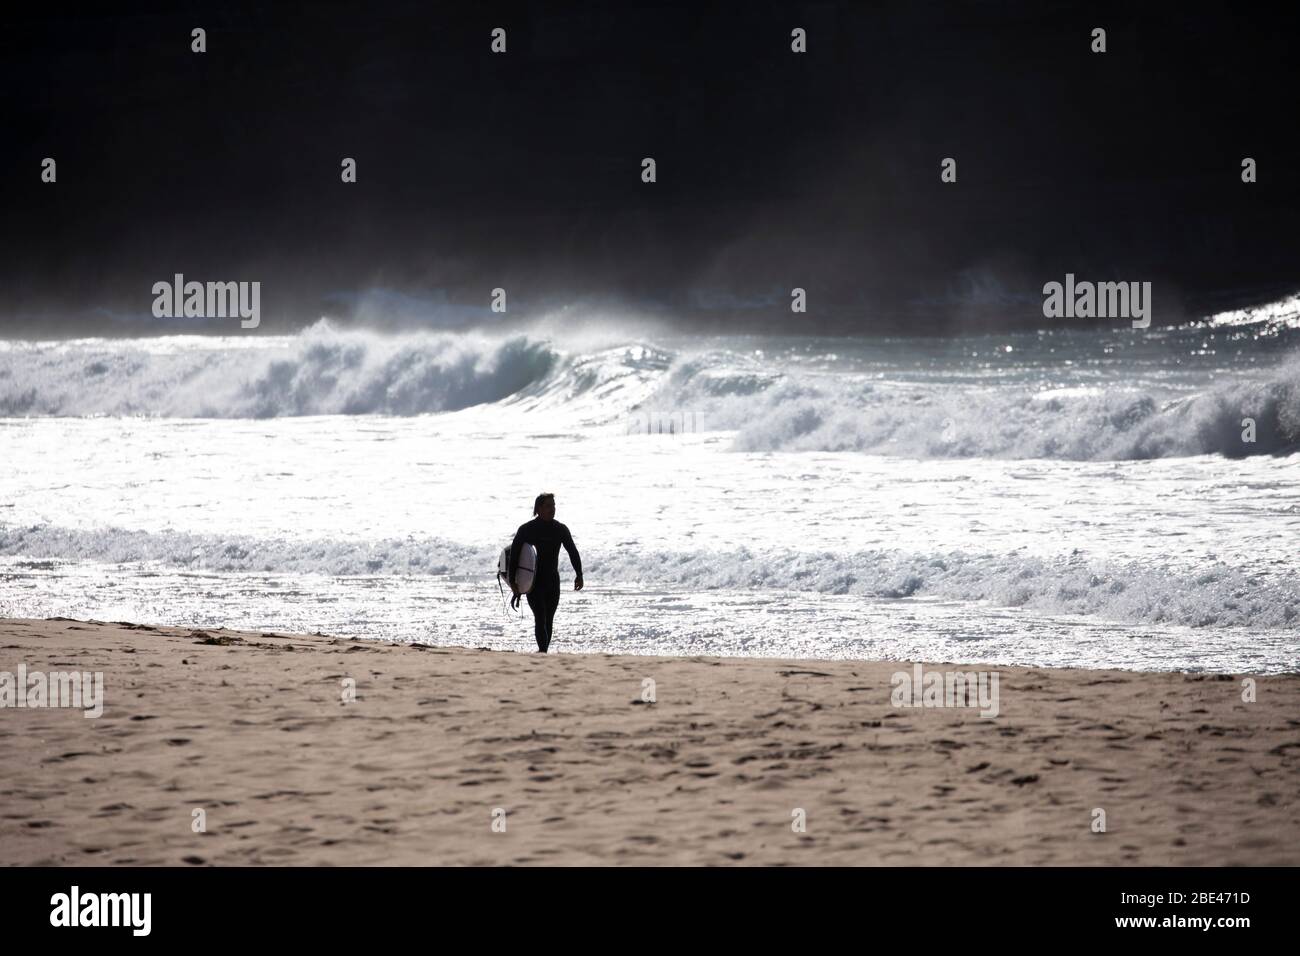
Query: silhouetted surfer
{"points": [[546, 535]]}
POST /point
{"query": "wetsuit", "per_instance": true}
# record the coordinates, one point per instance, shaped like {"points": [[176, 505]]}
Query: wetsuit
{"points": [[544, 597]]}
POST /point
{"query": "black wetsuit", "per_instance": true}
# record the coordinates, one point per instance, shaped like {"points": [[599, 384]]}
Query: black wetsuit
{"points": [[544, 597]]}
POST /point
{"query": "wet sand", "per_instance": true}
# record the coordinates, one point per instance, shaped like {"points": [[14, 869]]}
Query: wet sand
{"points": [[464, 757]]}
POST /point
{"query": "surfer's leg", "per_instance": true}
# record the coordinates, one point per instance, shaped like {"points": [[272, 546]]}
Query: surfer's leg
{"points": [[553, 601], [539, 602]]}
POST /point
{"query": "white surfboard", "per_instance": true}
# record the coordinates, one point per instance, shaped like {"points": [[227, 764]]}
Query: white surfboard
{"points": [[524, 573]]}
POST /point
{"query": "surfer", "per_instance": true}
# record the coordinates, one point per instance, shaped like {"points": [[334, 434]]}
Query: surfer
{"points": [[546, 535]]}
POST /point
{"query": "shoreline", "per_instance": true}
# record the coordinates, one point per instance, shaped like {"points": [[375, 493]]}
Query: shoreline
{"points": [[468, 756]]}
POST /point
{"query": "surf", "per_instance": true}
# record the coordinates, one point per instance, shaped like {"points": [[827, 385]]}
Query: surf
{"points": [[1208, 595], [1228, 386]]}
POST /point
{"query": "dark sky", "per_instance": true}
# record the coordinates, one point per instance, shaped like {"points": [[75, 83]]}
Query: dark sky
{"points": [[775, 170]]}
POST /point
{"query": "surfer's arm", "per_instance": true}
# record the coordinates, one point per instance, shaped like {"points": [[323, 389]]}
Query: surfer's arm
{"points": [[574, 558]]}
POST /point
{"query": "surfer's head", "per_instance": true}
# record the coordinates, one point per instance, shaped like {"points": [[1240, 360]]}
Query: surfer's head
{"points": [[544, 506]]}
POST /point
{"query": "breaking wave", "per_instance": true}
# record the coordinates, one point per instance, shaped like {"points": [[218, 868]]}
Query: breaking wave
{"points": [[1081, 423], [1207, 388], [1212, 595], [321, 371]]}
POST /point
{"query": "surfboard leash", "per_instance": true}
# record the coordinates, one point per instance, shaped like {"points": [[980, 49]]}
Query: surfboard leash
{"points": [[505, 604]]}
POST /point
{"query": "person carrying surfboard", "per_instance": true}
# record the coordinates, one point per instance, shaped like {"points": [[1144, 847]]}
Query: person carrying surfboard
{"points": [[546, 535]]}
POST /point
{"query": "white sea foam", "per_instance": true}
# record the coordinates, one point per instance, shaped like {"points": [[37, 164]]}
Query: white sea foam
{"points": [[1117, 423], [1214, 595], [1057, 497], [1075, 396], [320, 371]]}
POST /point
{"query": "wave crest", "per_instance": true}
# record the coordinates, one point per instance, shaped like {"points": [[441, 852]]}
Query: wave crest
{"points": [[1078, 424], [321, 371]]}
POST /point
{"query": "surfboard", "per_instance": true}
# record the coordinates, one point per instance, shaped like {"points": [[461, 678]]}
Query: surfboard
{"points": [[524, 573]]}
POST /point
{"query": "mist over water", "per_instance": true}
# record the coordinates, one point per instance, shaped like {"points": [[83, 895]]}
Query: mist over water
{"points": [[1084, 395]]}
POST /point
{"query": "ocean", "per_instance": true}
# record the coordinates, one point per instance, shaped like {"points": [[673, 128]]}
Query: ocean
{"points": [[1054, 498]]}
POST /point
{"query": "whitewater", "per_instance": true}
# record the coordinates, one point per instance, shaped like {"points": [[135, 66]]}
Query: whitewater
{"points": [[1053, 498]]}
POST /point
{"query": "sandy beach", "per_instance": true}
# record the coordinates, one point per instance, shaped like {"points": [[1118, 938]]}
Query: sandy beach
{"points": [[459, 756]]}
